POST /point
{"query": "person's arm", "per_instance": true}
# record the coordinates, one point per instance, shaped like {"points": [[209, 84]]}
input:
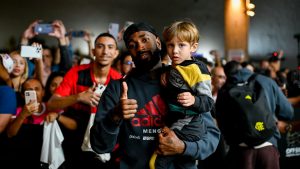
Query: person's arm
{"points": [[203, 103], [170, 144], [39, 65], [199, 81], [65, 60], [16, 123], [29, 33], [288, 126], [113, 108], [8, 106], [282, 107], [4, 120], [57, 101], [67, 122], [4, 75], [63, 96], [295, 101], [65, 63]]}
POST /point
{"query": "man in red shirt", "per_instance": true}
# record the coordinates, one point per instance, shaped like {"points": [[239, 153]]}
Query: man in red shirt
{"points": [[79, 94]]}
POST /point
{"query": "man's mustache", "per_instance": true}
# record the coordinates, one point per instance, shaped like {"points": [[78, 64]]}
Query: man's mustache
{"points": [[140, 53]]}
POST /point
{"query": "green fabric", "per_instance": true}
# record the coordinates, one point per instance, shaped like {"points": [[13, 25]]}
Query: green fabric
{"points": [[186, 111]]}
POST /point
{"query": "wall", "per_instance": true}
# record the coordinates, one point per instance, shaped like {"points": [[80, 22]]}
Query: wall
{"points": [[271, 28]]}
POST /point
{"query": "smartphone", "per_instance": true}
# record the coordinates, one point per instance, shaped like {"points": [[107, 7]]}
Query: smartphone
{"points": [[77, 34], [99, 89], [113, 29], [31, 51], [43, 28], [30, 95]]}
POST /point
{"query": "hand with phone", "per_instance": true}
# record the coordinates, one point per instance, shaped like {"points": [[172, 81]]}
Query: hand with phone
{"points": [[33, 51], [43, 28], [86, 35], [31, 104], [59, 31], [29, 32]]}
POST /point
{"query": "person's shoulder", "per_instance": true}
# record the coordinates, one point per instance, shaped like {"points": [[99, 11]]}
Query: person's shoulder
{"points": [[202, 66], [6, 88], [83, 66], [7, 91], [264, 79], [115, 74], [79, 67]]}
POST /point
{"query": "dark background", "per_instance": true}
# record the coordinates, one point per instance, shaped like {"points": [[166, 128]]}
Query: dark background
{"points": [[272, 28]]}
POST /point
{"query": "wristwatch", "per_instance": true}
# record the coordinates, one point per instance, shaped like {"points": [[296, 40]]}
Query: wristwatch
{"points": [[289, 127]]}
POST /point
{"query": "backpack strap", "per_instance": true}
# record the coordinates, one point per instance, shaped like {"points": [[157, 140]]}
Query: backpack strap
{"points": [[251, 80]]}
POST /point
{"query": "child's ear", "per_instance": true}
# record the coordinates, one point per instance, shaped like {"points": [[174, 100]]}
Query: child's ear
{"points": [[194, 47]]}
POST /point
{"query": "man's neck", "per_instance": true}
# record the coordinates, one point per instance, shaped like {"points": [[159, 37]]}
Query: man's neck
{"points": [[158, 65], [101, 73]]}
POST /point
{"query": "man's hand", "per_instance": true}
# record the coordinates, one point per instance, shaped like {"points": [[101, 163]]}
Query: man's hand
{"points": [[30, 108], [169, 143], [59, 29], [51, 117], [89, 97], [127, 107]]}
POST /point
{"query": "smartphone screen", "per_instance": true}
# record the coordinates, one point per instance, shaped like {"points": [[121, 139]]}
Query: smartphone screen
{"points": [[43, 28], [30, 95]]}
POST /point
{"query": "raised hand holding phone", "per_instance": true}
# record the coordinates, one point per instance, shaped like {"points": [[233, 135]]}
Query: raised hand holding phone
{"points": [[43, 28], [31, 103], [30, 96]]}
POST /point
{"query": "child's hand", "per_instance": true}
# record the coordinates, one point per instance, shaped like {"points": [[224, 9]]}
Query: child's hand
{"points": [[186, 99]]}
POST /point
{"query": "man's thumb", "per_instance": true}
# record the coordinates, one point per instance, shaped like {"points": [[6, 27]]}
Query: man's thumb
{"points": [[124, 91]]}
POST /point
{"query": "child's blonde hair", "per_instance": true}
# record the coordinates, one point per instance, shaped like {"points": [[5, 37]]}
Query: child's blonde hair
{"points": [[183, 30]]}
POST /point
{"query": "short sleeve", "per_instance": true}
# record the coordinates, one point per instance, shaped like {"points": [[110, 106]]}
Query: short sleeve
{"points": [[8, 100]]}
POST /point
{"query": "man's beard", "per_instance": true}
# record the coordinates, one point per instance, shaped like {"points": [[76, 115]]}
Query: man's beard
{"points": [[147, 64]]}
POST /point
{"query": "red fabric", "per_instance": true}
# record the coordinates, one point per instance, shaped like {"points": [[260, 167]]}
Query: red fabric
{"points": [[69, 84]]}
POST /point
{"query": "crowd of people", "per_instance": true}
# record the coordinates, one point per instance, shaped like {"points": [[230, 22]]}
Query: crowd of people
{"points": [[150, 105]]}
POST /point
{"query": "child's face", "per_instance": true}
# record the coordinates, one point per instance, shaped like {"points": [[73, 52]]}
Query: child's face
{"points": [[180, 50], [19, 65]]}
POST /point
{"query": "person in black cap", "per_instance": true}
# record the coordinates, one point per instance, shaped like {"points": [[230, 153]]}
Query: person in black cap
{"points": [[131, 111], [274, 68]]}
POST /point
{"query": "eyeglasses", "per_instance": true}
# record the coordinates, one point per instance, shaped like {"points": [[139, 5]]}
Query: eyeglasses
{"points": [[220, 76], [128, 63]]}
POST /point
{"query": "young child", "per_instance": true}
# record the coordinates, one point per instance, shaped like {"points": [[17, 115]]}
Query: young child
{"points": [[188, 85]]}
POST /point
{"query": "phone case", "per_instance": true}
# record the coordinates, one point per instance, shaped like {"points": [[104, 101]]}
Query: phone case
{"points": [[31, 51], [113, 29], [30, 95]]}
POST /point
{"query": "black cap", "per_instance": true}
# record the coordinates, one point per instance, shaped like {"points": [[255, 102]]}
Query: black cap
{"points": [[136, 27], [275, 56]]}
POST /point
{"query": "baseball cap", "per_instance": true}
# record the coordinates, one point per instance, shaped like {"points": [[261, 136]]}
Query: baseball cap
{"points": [[7, 62], [136, 27], [275, 56]]}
